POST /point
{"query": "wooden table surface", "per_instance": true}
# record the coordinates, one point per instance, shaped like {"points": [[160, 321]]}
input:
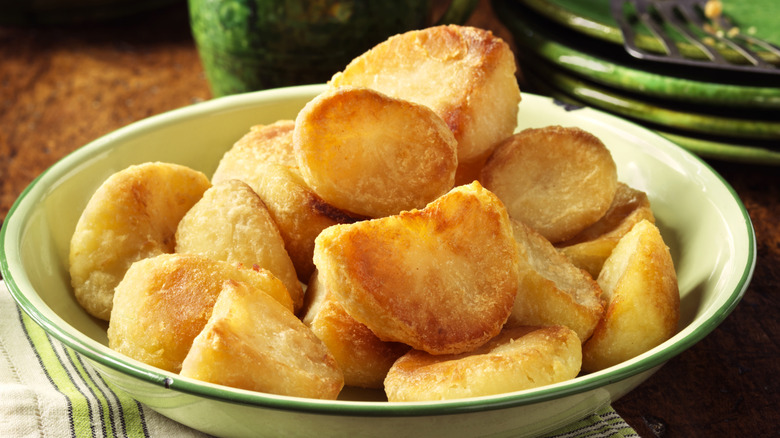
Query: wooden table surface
{"points": [[63, 86]]}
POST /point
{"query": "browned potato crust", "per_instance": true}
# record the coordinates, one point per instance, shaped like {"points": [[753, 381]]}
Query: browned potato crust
{"points": [[552, 290], [466, 75], [593, 245], [518, 358], [364, 358], [231, 223], [264, 158], [371, 154], [132, 215], [640, 286], [441, 279], [557, 180], [252, 342], [263, 144], [266, 144], [163, 302]]}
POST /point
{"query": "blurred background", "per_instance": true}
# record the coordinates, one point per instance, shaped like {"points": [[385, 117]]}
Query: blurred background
{"points": [[67, 78]]}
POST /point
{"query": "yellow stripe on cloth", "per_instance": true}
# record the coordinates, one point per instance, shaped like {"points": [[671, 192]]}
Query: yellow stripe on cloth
{"points": [[79, 412], [604, 423], [48, 390]]}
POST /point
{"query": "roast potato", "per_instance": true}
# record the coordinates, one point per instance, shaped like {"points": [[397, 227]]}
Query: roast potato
{"points": [[442, 279], [132, 215], [590, 247], [372, 154], [252, 342], [552, 291], [518, 358], [466, 75], [231, 223], [558, 180], [639, 283], [263, 144], [362, 356], [163, 302], [265, 159]]}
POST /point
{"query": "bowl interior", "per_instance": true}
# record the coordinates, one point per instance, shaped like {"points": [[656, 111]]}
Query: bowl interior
{"points": [[701, 218]]}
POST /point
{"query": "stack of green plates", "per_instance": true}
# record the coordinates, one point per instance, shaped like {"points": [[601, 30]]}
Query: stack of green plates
{"points": [[573, 50]]}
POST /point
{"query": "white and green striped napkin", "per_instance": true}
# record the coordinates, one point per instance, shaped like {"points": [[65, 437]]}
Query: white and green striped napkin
{"points": [[47, 390]]}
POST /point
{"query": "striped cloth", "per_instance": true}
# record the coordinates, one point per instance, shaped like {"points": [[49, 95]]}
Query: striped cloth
{"points": [[47, 390]]}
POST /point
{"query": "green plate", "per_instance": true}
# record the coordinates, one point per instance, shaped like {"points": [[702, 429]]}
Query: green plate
{"points": [[735, 151], [593, 18], [724, 151], [746, 127], [600, 63]]}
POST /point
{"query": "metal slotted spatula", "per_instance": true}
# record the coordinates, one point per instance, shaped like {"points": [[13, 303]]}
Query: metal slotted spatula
{"points": [[699, 23]]}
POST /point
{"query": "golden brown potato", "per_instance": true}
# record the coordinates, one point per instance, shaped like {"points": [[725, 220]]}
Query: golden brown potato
{"points": [[441, 279], [132, 215], [557, 180], [264, 158], [640, 285], [371, 154], [552, 291], [466, 75], [263, 144], [593, 245], [517, 359], [364, 358], [232, 224], [163, 302], [252, 342]]}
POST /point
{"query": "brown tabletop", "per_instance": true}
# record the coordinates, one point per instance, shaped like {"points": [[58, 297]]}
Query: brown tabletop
{"points": [[64, 86]]}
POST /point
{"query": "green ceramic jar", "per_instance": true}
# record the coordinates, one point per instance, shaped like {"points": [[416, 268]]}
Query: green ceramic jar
{"points": [[248, 45]]}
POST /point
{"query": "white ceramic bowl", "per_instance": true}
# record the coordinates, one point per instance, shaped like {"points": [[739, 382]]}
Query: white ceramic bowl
{"points": [[700, 217]]}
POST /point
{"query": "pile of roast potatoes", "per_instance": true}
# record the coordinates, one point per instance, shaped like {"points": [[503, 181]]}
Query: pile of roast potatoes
{"points": [[400, 234]]}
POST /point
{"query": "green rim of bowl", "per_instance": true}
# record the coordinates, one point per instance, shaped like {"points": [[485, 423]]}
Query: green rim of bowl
{"points": [[593, 18], [10, 266], [588, 59]]}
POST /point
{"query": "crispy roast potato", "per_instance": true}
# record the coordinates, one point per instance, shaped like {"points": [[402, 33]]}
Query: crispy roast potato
{"points": [[466, 75], [163, 302], [252, 342], [265, 159], [640, 285], [363, 357], [518, 358], [441, 279], [557, 180], [552, 291], [132, 215], [589, 248], [371, 154], [231, 223], [262, 145]]}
